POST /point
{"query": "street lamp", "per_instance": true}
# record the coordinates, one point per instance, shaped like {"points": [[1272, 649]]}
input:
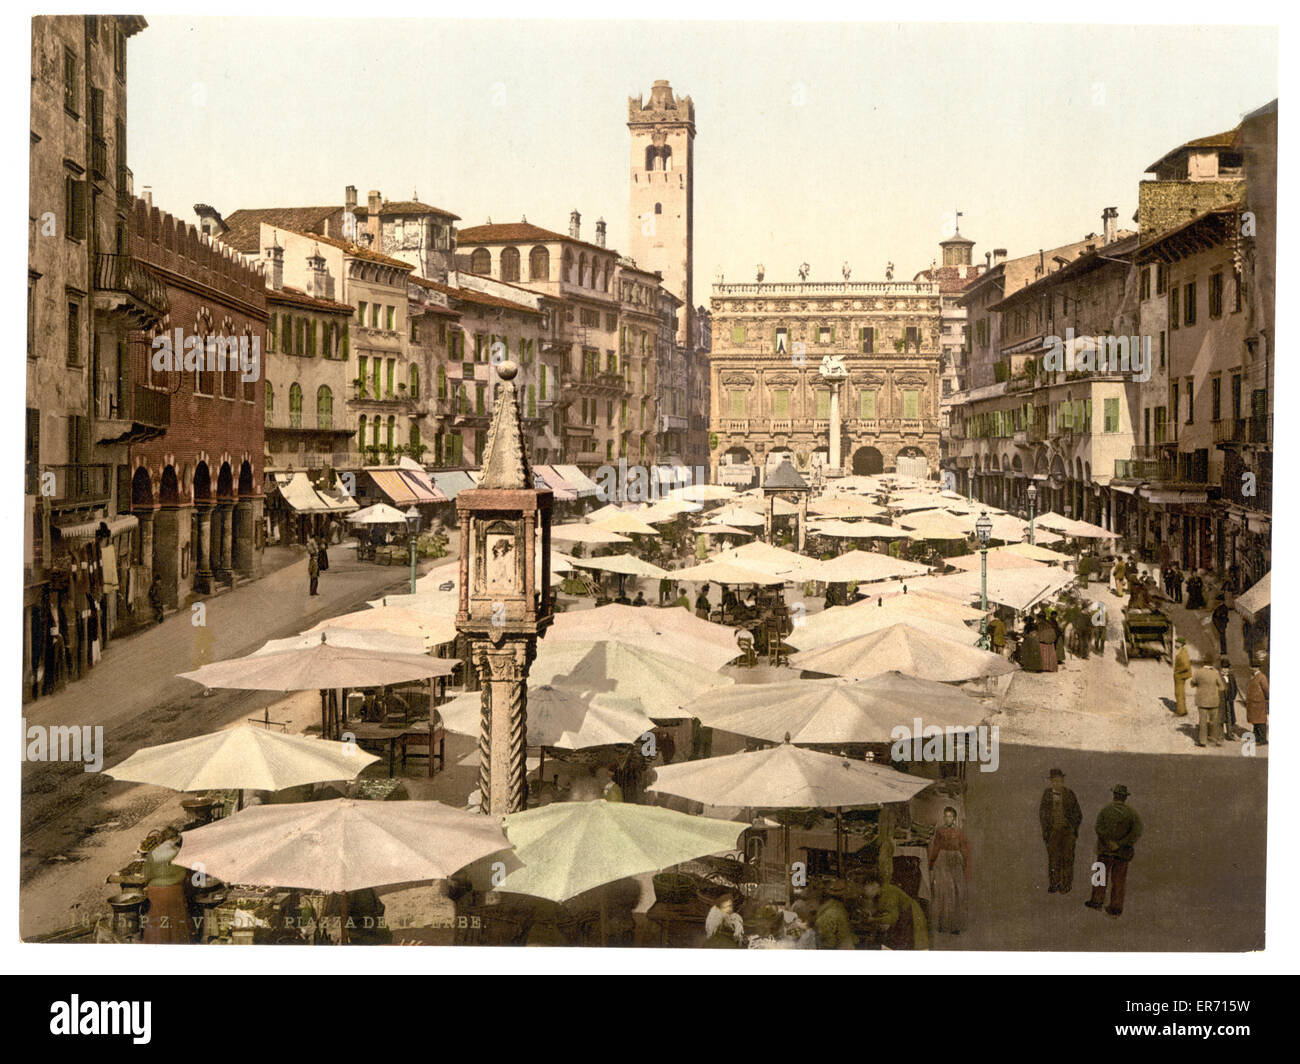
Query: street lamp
{"points": [[1032, 492], [413, 530], [983, 526]]}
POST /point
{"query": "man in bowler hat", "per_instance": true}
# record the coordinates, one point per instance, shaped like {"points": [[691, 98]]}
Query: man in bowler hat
{"points": [[1118, 828], [1059, 816]]}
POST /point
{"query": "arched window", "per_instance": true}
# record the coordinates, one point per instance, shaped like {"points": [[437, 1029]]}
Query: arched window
{"points": [[270, 403], [442, 382], [324, 408], [392, 424], [480, 261], [659, 208], [414, 439], [413, 386], [568, 266], [650, 154], [361, 432], [510, 264], [583, 278], [374, 432], [539, 264], [666, 155], [295, 406]]}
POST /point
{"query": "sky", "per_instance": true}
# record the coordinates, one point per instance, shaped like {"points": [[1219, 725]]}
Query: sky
{"points": [[815, 142]]}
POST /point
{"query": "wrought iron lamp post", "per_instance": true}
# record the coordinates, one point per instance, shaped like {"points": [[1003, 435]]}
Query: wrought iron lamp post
{"points": [[412, 534], [1032, 492], [983, 526]]}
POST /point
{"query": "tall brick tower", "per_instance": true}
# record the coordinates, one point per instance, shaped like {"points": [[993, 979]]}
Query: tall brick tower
{"points": [[661, 220]]}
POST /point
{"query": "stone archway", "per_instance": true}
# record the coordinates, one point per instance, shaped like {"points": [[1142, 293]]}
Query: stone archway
{"points": [[911, 462], [167, 537], [867, 462]]}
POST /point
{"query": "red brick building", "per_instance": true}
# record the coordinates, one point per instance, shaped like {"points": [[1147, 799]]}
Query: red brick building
{"points": [[197, 491]]}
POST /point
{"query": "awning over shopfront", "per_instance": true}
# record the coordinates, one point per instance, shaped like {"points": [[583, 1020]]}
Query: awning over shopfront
{"points": [[560, 488], [578, 481], [452, 482], [1174, 497], [405, 487], [301, 495], [1258, 597], [87, 529]]}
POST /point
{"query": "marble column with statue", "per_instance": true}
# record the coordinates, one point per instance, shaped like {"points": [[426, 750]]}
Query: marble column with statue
{"points": [[505, 603]]}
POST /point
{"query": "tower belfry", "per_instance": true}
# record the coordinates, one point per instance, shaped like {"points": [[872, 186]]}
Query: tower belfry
{"points": [[661, 211]]}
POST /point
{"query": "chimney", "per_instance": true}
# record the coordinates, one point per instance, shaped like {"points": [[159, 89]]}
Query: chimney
{"points": [[1109, 221], [275, 257], [350, 199], [575, 225], [148, 196], [600, 232], [999, 256], [317, 280], [373, 200]]}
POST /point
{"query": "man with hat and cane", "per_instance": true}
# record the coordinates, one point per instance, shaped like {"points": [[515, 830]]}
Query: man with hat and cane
{"points": [[1118, 828], [1059, 816], [1182, 673]]}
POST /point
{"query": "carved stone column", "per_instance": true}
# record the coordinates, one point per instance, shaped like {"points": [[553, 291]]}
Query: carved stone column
{"points": [[225, 522], [837, 459], [502, 745]]}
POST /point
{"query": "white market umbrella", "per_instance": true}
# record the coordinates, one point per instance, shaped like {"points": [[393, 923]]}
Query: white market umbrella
{"points": [[242, 758], [723, 530], [378, 514], [341, 845], [836, 711], [904, 648], [319, 666], [430, 628], [568, 848], [559, 717], [934, 524], [658, 682], [702, 493], [786, 777], [675, 632], [625, 524], [728, 573], [845, 506], [623, 565], [866, 566], [589, 534], [775, 561], [855, 529], [844, 622], [737, 516]]}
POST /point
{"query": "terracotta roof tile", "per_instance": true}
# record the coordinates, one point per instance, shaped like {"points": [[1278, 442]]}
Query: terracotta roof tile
{"points": [[413, 207], [243, 231], [302, 299], [518, 233]]}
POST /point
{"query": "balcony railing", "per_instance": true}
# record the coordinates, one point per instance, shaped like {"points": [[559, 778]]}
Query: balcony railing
{"points": [[123, 274], [77, 485], [733, 424], [1230, 430]]}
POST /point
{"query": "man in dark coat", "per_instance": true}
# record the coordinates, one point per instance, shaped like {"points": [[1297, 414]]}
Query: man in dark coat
{"points": [[1059, 816], [1220, 619], [1118, 828]]}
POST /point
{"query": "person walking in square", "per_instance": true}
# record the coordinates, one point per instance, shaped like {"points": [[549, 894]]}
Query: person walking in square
{"points": [[313, 572], [1257, 705], [950, 863], [1118, 829], [1228, 703], [1059, 816], [1220, 619], [1209, 690], [156, 599], [1182, 673]]}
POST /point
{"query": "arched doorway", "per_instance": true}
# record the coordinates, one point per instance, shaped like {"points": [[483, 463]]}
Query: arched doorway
{"points": [[736, 468], [868, 462], [911, 462], [167, 537]]}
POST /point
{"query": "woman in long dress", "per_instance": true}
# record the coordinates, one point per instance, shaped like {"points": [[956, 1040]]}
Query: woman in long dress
{"points": [[949, 875]]}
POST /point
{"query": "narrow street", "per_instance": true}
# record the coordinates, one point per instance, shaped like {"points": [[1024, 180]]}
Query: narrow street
{"points": [[135, 695]]}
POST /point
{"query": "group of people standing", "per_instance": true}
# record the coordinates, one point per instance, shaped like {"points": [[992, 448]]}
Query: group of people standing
{"points": [[1118, 828], [318, 561]]}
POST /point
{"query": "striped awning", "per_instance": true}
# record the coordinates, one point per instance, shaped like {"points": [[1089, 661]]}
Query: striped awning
{"points": [[561, 488], [87, 529], [405, 487]]}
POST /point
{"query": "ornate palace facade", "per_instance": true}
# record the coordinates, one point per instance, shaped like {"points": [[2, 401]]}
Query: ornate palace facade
{"points": [[790, 361]]}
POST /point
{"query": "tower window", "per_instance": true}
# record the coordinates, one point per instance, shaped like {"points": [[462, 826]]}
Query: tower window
{"points": [[659, 208]]}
